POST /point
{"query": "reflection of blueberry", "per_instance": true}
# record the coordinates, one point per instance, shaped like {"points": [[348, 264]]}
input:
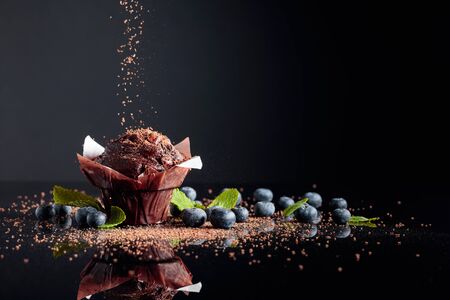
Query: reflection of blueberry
{"points": [[82, 213], [317, 219], [45, 212], [343, 232], [264, 209], [194, 217], [230, 242], [262, 195], [309, 232], [314, 199], [241, 214], [288, 218], [190, 192], [306, 213], [239, 197], [341, 215], [284, 202], [62, 210], [338, 203], [222, 218], [174, 211], [65, 222], [209, 210], [96, 219]]}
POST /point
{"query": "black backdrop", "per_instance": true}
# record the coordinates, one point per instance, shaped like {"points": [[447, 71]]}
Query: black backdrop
{"points": [[268, 91]]}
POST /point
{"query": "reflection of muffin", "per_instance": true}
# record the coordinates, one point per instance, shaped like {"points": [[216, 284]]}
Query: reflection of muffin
{"points": [[138, 172], [156, 273], [140, 151]]}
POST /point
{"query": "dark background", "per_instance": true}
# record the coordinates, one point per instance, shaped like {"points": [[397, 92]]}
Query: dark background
{"points": [[345, 96]]}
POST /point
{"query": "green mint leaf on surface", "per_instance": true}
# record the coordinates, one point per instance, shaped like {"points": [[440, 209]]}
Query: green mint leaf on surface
{"points": [[71, 197], [117, 217], [363, 224], [290, 210], [362, 219], [227, 199], [181, 201]]}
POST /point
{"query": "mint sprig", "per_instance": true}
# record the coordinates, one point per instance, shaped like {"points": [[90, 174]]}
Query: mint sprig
{"points": [[181, 201], [75, 198], [227, 199], [64, 196], [290, 209], [117, 216], [363, 221]]}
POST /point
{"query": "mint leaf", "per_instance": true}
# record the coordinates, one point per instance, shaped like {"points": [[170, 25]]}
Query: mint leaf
{"points": [[70, 197], [227, 199], [363, 221], [364, 224], [290, 210], [198, 205], [117, 217], [181, 201], [357, 219]]}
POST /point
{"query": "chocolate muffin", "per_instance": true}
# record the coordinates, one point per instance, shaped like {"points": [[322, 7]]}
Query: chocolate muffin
{"points": [[140, 151]]}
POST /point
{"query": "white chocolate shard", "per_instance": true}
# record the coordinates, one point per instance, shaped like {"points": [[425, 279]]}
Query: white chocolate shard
{"points": [[193, 288], [92, 149], [193, 163]]}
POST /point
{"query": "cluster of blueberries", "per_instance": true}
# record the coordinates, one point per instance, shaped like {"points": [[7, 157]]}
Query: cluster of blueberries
{"points": [[85, 216], [218, 216], [264, 207], [307, 213], [59, 214]]}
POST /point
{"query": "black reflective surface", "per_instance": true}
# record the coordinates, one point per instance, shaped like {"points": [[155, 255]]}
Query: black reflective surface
{"points": [[404, 257]]}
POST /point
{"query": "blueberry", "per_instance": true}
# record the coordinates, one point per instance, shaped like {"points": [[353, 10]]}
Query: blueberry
{"points": [[341, 215], [314, 199], [81, 215], [222, 218], [241, 214], [174, 211], [62, 210], [284, 202], [239, 196], [264, 209], [343, 232], [262, 195], [338, 203], [194, 217], [306, 214], [96, 219], [190, 192], [209, 210], [65, 222], [45, 212]]}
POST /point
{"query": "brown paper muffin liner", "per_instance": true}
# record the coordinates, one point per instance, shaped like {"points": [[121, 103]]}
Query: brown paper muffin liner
{"points": [[130, 278], [145, 200]]}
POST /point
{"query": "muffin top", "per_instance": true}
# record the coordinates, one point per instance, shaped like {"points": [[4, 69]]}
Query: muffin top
{"points": [[139, 151]]}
